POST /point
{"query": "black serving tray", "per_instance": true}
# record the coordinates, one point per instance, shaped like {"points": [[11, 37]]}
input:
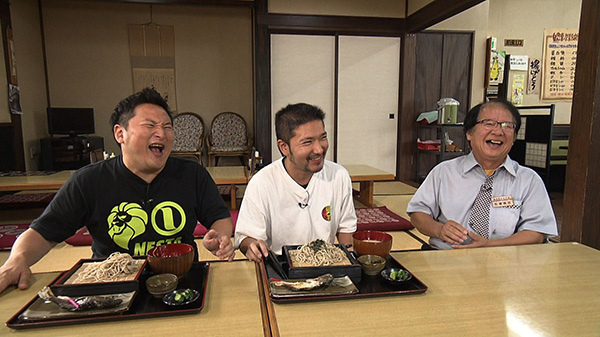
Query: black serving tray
{"points": [[144, 305], [369, 286], [354, 271]]}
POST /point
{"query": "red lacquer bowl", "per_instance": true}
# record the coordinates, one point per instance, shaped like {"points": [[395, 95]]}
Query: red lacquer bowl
{"points": [[173, 258], [372, 242]]}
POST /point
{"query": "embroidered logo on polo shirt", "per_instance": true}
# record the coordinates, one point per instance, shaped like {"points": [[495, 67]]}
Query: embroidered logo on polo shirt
{"points": [[326, 213]]}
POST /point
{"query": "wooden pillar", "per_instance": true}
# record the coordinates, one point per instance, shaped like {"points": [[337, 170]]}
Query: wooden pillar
{"points": [[406, 122], [581, 221], [262, 71]]}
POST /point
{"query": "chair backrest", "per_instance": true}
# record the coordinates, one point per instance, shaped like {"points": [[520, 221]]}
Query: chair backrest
{"points": [[228, 129], [96, 155], [188, 128]]}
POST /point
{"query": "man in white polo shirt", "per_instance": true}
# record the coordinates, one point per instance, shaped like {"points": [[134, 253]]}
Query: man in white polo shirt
{"points": [[300, 197]]}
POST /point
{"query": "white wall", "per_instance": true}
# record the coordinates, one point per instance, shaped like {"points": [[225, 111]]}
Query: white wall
{"points": [[514, 19], [87, 48]]}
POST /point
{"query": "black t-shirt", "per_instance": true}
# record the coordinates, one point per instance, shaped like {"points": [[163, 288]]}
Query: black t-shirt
{"points": [[124, 213]]}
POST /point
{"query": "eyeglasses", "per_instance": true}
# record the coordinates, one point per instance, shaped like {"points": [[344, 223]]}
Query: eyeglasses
{"points": [[490, 124]]}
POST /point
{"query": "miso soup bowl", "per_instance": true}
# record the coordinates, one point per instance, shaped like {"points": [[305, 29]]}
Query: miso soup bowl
{"points": [[173, 258], [372, 243]]}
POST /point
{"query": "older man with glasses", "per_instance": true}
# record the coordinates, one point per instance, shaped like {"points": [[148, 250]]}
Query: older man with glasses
{"points": [[484, 198]]}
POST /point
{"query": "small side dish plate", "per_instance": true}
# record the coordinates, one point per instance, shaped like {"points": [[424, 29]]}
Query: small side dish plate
{"points": [[169, 298], [387, 275]]}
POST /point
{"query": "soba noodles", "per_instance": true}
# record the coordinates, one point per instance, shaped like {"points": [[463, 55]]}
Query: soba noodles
{"points": [[319, 253], [115, 267]]}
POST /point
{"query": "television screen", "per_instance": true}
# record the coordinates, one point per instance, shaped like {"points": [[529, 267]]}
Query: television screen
{"points": [[71, 121]]}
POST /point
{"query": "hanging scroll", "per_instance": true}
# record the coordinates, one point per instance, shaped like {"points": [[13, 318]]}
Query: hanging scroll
{"points": [[152, 53]]}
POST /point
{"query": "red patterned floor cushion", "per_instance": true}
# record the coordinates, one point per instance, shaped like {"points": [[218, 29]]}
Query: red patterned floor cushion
{"points": [[10, 233], [381, 219], [201, 230], [26, 200]]}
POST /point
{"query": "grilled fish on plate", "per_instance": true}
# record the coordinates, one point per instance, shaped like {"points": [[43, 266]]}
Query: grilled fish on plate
{"points": [[80, 303], [308, 284]]}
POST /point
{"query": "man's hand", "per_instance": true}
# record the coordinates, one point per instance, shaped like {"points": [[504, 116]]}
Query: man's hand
{"points": [[219, 245], [477, 241], [13, 272], [255, 249], [29, 248], [453, 232]]}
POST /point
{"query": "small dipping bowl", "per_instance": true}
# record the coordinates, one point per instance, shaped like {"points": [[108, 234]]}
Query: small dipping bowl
{"points": [[372, 242], [371, 264], [173, 258], [159, 285]]}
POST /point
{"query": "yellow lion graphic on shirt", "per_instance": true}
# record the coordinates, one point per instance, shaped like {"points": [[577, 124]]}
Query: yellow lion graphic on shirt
{"points": [[125, 222]]}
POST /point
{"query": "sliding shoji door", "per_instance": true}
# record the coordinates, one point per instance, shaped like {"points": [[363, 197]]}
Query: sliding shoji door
{"points": [[302, 71], [368, 101]]}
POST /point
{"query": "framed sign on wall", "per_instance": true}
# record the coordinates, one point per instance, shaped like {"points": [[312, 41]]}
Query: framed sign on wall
{"points": [[560, 57]]}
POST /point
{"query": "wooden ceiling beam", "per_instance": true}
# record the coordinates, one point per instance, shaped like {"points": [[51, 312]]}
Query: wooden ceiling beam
{"points": [[435, 12]]}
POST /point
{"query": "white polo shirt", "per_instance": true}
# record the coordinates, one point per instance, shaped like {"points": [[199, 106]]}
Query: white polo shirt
{"points": [[277, 210]]}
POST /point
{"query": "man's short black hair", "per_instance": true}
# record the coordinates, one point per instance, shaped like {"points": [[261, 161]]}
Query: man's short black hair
{"points": [[125, 110], [294, 115], [473, 115]]}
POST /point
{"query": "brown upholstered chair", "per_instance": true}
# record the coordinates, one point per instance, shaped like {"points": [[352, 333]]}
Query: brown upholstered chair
{"points": [[188, 128], [228, 137], [96, 155]]}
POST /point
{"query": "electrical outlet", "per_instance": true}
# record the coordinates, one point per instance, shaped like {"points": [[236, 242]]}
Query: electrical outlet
{"points": [[32, 152]]}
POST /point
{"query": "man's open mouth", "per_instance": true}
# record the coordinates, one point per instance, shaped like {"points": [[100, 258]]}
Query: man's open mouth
{"points": [[156, 148], [494, 142]]}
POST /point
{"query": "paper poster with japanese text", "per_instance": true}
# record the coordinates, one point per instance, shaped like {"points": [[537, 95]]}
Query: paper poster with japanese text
{"points": [[560, 57], [517, 89], [535, 74]]}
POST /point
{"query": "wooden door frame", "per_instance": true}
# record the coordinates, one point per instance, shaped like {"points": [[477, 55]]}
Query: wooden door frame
{"points": [[267, 23], [15, 126]]}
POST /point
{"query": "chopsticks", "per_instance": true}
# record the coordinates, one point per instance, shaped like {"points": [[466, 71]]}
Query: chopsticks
{"points": [[274, 262], [270, 327]]}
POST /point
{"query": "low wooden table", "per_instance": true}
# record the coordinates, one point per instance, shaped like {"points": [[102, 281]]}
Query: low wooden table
{"points": [[366, 176], [229, 175], [39, 182], [232, 308], [534, 290]]}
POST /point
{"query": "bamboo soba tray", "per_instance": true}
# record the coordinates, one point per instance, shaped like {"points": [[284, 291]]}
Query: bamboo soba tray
{"points": [[353, 270], [65, 285]]}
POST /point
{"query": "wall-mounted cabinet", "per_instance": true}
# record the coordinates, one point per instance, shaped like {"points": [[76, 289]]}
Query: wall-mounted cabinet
{"points": [[443, 67], [428, 158]]}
